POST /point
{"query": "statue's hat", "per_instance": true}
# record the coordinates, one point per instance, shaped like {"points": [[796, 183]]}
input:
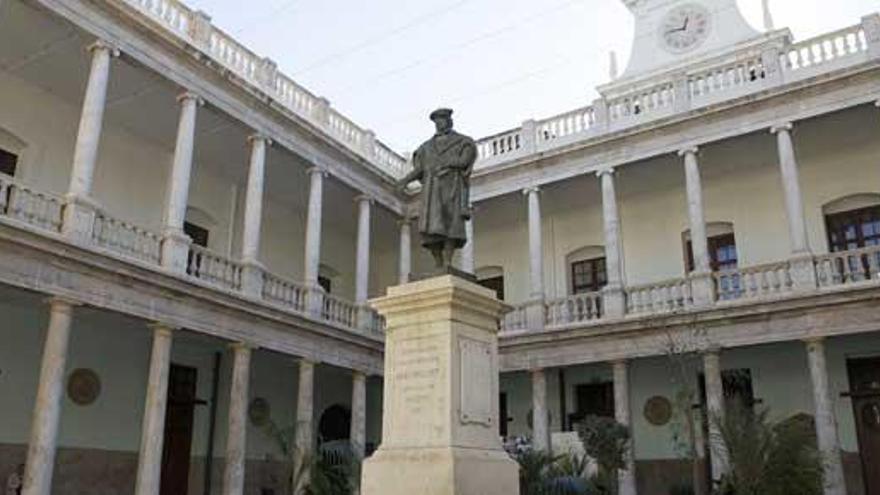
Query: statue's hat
{"points": [[441, 113]]}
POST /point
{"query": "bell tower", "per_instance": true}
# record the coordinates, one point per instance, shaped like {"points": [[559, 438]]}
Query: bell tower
{"points": [[670, 32]]}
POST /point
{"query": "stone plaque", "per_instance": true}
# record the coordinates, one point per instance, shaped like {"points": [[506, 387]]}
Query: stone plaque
{"points": [[658, 410], [83, 386], [476, 381]]}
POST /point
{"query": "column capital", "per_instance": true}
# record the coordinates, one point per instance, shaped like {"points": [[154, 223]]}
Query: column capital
{"points": [[190, 96], [785, 126], [531, 190], [259, 136], [712, 350], [689, 150], [359, 374], [103, 45], [360, 199], [242, 346], [814, 340], [306, 362], [62, 302], [316, 169], [536, 370], [609, 171], [405, 221], [162, 328], [620, 362]]}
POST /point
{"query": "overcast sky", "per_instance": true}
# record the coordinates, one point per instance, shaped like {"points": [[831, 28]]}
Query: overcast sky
{"points": [[387, 63]]}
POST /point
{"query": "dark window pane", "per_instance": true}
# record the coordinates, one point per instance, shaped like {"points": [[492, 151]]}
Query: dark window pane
{"points": [[8, 162], [588, 276], [325, 284], [496, 284], [853, 229]]}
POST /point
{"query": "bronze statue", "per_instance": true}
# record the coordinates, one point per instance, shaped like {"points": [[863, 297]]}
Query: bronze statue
{"points": [[443, 165]]}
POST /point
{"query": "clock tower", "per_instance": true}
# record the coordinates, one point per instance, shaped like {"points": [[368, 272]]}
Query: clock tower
{"points": [[669, 32]]}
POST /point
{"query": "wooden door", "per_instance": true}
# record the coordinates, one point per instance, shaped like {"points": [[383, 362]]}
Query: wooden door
{"points": [[178, 430], [864, 379]]}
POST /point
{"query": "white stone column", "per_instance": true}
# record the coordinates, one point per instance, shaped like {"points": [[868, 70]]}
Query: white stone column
{"points": [[312, 260], [467, 251], [702, 285], [236, 432], [613, 297], [626, 479], [47, 407], [535, 309], [362, 267], [404, 270], [149, 473], [359, 413], [79, 209], [305, 406], [540, 414], [715, 408], [826, 419], [175, 244], [802, 268], [252, 272]]}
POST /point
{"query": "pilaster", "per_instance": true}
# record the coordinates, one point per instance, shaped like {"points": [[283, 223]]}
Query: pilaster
{"points": [[529, 136], [681, 94], [200, 30], [871, 25]]}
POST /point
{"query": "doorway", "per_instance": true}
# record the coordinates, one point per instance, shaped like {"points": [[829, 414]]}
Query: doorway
{"points": [[179, 415], [864, 379]]}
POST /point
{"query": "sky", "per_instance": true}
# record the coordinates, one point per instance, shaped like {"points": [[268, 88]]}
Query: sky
{"points": [[386, 64]]}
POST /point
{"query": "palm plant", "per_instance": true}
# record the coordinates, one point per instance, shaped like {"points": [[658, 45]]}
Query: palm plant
{"points": [[767, 458], [542, 473], [606, 441]]}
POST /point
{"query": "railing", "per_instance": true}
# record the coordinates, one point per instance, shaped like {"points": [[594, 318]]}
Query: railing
{"points": [[568, 124], [849, 267], [515, 319], [375, 322], [726, 78], [753, 282], [340, 311], [27, 205], [500, 145], [285, 292], [642, 102], [125, 238], [579, 308], [196, 28], [662, 297], [213, 268], [825, 48]]}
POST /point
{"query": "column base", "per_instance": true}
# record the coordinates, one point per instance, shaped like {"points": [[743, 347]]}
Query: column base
{"points": [[175, 251], [702, 289], [252, 279], [803, 272], [440, 471], [613, 303], [78, 218], [536, 316]]}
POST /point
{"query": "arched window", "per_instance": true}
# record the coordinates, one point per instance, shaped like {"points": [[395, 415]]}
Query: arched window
{"points": [[722, 247], [492, 277], [587, 270], [853, 222]]}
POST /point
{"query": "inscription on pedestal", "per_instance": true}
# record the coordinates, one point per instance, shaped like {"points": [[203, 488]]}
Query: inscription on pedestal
{"points": [[416, 369], [476, 381]]}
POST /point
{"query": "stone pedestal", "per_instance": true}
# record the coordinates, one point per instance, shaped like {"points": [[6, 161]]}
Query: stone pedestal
{"points": [[440, 421]]}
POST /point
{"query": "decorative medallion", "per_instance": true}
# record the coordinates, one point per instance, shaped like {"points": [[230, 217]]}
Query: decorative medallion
{"points": [[259, 412], [83, 386], [658, 410]]}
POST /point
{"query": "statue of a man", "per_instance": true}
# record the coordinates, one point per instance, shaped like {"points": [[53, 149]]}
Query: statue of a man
{"points": [[443, 165]]}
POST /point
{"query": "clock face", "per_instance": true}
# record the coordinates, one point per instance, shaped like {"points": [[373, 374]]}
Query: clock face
{"points": [[685, 27]]}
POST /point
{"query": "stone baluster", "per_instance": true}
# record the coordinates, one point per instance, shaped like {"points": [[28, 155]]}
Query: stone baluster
{"points": [[359, 413], [315, 300], [47, 407], [175, 243], [826, 419], [626, 478], [612, 295], [702, 284], [803, 272], [80, 208], [236, 432], [404, 271], [540, 412], [362, 267], [149, 473], [715, 408], [535, 305], [252, 269]]}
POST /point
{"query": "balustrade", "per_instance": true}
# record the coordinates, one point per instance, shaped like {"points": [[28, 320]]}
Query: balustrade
{"points": [[27, 205], [284, 292], [726, 78], [213, 268], [753, 282], [849, 267], [662, 297], [125, 238], [579, 308], [340, 311], [514, 320], [503, 144], [567, 124], [642, 102], [825, 48]]}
